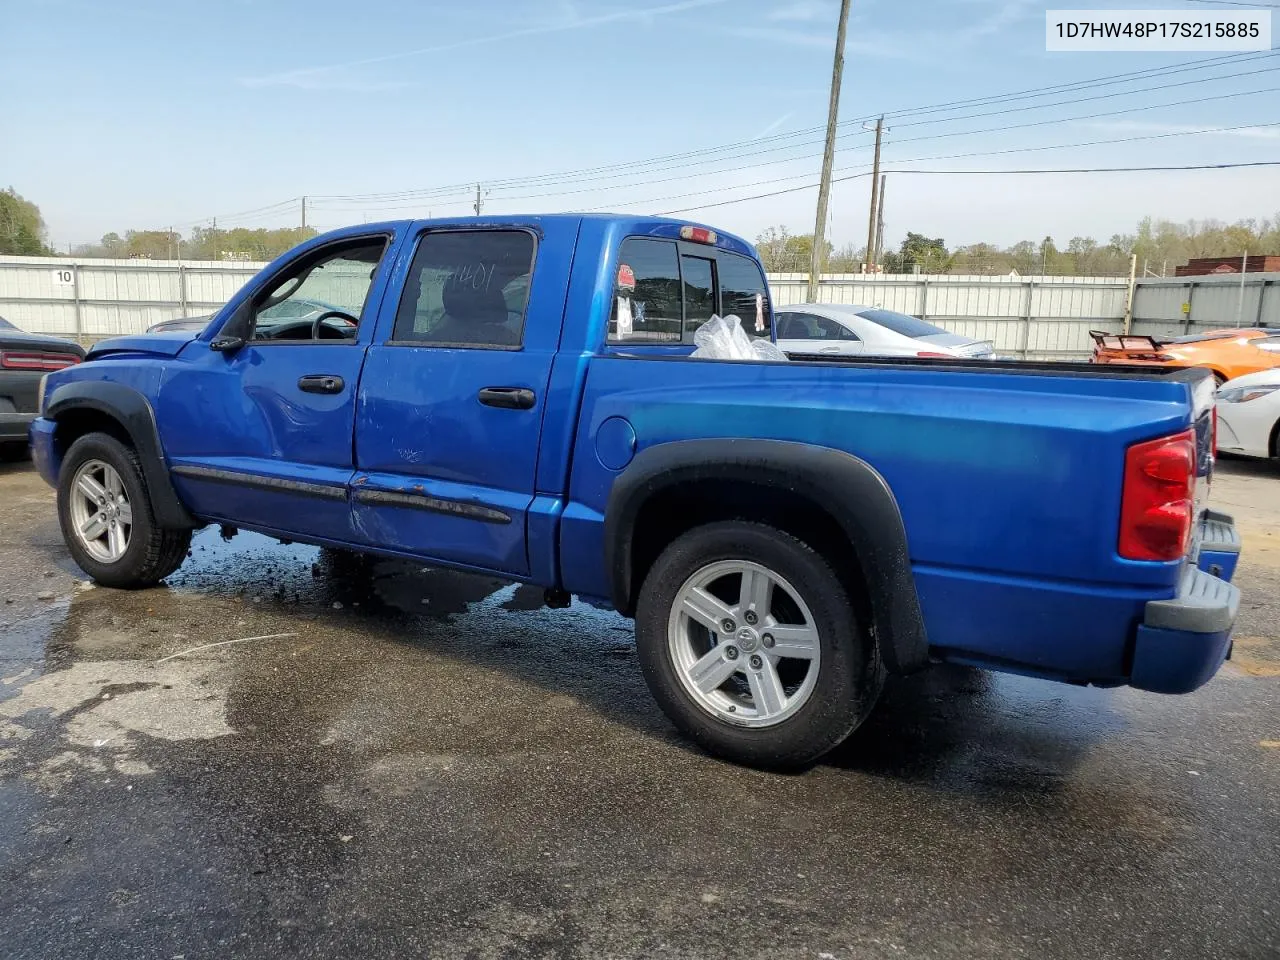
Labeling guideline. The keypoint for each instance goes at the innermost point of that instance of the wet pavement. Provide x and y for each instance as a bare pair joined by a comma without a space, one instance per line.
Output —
406,762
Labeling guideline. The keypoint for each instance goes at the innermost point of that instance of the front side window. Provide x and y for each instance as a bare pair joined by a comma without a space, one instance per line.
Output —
467,288
322,298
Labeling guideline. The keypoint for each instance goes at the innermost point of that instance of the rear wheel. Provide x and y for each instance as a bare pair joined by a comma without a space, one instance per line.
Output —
749,642
106,516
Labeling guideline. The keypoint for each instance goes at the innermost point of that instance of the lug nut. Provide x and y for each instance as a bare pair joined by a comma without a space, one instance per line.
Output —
756,662
767,640
751,617
727,625
731,652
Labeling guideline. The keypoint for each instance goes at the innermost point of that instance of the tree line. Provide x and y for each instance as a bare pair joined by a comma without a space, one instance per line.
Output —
1159,245
204,243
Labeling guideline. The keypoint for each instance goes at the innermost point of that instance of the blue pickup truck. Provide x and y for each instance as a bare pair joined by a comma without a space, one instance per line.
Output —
518,396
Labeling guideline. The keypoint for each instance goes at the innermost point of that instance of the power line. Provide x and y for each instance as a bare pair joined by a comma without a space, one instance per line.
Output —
410,203
1239,3
858,176
624,168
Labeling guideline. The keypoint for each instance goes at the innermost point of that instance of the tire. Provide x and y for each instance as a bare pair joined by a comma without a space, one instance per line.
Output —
149,552
728,721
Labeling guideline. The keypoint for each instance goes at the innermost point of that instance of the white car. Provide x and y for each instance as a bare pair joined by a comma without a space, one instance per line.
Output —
1249,414
850,330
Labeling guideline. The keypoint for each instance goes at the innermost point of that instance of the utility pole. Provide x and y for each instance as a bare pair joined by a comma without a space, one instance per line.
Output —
879,247
1128,300
875,186
215,238
304,214
1244,267
828,156
479,204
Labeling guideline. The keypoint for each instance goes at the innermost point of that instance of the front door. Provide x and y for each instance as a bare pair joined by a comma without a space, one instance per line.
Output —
262,435
452,400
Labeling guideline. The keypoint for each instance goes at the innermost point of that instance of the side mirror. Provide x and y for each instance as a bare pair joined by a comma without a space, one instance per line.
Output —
226,344
235,332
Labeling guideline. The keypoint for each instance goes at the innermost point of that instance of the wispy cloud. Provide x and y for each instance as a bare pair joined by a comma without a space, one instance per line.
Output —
775,125
804,10
569,20
1003,15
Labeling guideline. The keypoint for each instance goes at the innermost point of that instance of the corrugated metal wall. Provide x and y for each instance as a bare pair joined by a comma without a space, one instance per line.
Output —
1036,317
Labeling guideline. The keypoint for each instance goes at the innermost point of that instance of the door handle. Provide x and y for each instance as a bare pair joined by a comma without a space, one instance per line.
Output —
321,383
510,398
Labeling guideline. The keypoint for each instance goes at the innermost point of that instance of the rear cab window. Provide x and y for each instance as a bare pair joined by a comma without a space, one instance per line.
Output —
665,289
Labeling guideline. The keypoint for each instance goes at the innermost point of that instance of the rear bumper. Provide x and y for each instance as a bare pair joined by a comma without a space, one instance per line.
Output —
1183,641
13,426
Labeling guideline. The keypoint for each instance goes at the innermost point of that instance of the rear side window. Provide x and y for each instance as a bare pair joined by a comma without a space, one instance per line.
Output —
665,291
467,288
743,292
901,323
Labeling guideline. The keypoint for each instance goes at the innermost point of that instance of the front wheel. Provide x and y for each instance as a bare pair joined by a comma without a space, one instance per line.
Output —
106,516
749,643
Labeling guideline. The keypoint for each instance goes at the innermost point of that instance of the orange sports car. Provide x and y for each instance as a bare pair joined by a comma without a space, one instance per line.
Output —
1228,353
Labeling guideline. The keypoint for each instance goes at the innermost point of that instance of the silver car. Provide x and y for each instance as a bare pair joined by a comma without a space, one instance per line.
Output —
850,330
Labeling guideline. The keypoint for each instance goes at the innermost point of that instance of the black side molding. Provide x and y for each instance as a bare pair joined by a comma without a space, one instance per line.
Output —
133,412
422,501
847,488
306,488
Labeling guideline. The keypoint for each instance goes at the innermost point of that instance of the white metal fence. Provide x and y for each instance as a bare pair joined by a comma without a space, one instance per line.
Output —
1034,317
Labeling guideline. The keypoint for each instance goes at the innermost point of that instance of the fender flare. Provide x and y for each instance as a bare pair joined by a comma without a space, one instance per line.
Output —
133,412
849,489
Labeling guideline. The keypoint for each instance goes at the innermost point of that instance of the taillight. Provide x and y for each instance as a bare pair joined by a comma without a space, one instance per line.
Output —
30,360
936,356
1156,504
1214,434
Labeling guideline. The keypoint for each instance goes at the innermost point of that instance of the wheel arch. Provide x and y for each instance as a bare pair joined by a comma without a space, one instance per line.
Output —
838,504
89,406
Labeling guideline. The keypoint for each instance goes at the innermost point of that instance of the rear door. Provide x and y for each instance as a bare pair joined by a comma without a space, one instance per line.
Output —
453,394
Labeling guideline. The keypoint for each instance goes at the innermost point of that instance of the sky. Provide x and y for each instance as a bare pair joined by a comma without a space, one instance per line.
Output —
146,114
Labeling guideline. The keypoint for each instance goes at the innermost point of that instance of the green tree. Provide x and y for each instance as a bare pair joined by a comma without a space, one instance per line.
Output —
928,254
22,229
783,252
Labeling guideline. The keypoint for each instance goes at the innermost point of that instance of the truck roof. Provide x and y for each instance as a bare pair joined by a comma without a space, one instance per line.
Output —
637,223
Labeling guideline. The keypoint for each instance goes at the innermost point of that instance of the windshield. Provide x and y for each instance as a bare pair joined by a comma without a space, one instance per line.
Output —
902,323
6,325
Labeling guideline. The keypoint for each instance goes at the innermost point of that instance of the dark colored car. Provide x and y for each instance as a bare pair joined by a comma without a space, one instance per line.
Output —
190,324
24,359
295,313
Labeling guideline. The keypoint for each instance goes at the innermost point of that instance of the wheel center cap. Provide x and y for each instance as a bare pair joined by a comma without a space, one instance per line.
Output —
747,639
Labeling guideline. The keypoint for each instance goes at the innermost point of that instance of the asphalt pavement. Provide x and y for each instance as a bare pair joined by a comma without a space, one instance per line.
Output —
285,754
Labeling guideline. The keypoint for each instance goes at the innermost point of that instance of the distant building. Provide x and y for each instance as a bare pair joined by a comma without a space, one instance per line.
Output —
1201,266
